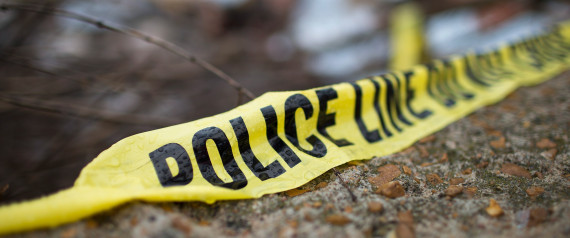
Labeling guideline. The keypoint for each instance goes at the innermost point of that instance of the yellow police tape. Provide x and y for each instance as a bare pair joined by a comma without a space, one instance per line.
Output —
282,140
407,41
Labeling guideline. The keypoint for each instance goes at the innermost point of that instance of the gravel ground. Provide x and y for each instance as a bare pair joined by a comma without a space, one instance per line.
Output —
515,153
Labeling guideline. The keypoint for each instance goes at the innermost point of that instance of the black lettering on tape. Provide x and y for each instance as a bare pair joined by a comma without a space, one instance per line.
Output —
179,154
393,102
471,73
557,38
370,136
536,61
400,97
452,77
552,49
435,83
515,53
293,103
275,141
547,50
498,65
274,169
378,109
410,95
485,62
225,150
328,119
535,47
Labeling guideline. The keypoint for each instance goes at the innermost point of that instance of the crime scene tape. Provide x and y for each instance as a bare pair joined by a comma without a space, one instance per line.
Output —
407,40
282,140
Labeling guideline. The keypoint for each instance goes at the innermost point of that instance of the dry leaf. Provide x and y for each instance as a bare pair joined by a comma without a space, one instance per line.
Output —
405,227
467,171
426,139
483,164
498,144
337,219
549,154
386,174
494,209
321,185
91,224
71,232
375,207
513,169
534,191
545,143
295,192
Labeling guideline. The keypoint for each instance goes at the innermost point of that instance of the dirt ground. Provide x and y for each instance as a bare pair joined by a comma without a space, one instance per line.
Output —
515,152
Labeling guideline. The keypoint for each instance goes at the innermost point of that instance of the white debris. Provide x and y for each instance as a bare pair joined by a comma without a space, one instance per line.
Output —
319,24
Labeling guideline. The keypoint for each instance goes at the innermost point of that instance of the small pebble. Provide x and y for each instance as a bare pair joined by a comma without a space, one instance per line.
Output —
391,190
453,190
407,170
471,191
434,179
456,181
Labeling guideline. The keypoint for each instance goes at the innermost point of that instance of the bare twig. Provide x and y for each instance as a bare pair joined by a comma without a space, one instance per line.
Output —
83,112
172,48
344,184
23,64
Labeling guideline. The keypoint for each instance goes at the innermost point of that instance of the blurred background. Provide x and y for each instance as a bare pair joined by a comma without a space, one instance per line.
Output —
69,90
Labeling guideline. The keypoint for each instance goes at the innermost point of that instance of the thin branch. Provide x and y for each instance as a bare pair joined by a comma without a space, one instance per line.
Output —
23,64
172,48
84,112
344,184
